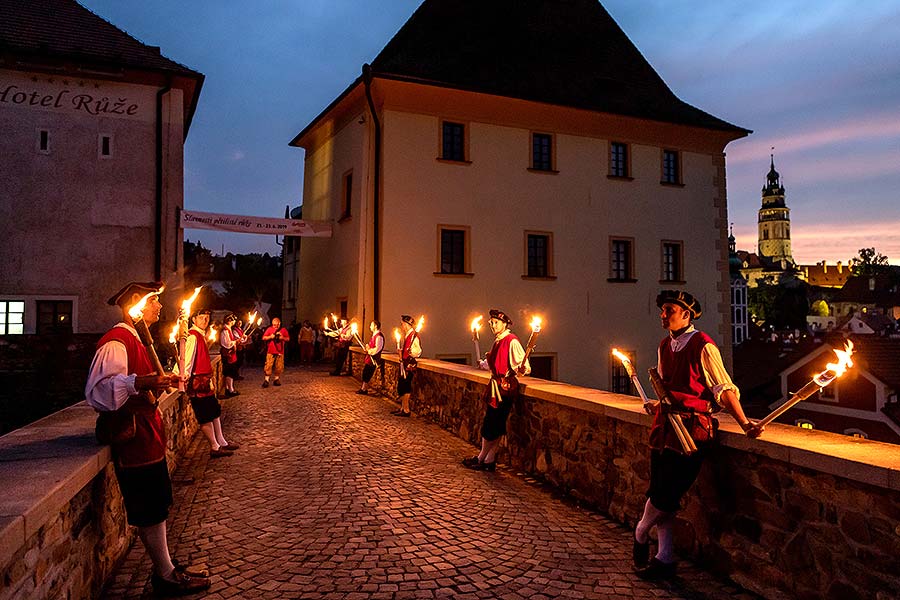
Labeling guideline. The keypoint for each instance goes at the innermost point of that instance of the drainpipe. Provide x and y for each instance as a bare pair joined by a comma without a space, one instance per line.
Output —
376,237
157,246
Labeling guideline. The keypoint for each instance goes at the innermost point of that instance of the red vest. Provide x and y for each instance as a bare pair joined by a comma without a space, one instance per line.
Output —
372,344
407,344
683,374
498,357
202,363
148,446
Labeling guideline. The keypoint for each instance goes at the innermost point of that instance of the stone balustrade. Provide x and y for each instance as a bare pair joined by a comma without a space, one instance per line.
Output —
62,519
797,513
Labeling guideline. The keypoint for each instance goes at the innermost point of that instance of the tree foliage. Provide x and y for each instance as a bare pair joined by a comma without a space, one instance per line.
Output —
868,262
783,306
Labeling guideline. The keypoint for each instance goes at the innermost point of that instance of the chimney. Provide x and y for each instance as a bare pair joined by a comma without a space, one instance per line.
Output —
824,267
840,268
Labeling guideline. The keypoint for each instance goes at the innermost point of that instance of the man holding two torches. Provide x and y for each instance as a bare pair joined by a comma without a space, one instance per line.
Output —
120,388
409,348
343,338
506,359
373,355
692,380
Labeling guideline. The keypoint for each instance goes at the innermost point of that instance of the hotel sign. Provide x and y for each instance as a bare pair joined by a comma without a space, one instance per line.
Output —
91,104
192,219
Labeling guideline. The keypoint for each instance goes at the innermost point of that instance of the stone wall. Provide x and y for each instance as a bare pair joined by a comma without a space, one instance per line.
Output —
797,513
62,519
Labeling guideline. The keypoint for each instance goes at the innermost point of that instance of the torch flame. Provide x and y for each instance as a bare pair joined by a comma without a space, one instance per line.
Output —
251,317
173,333
420,324
334,320
212,333
259,322
620,356
536,324
186,305
397,335
137,311
476,323
844,360
325,323
353,328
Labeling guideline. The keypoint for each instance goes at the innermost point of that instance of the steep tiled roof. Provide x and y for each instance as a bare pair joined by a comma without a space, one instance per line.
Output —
826,275
881,290
65,29
564,52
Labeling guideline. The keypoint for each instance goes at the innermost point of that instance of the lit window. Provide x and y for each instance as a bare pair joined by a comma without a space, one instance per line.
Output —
12,317
803,424
54,316
453,141
857,433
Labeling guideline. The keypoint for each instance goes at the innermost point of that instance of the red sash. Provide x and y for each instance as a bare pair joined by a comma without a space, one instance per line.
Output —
148,445
372,344
201,372
409,362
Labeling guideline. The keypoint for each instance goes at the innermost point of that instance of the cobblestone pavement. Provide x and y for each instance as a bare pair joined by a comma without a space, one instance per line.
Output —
332,497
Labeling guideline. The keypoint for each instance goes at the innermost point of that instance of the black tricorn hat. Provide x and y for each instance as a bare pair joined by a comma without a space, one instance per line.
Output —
135,287
201,311
499,314
682,299
408,320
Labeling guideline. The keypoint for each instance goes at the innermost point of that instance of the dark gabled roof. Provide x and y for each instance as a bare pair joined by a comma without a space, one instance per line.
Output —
65,29
882,290
880,356
564,52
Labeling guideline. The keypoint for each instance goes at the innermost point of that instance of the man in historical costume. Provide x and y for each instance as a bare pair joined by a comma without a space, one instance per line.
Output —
373,356
241,347
120,388
200,387
505,361
410,350
229,340
692,372
343,339
274,337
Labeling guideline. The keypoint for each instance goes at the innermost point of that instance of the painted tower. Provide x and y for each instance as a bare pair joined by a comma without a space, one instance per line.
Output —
775,221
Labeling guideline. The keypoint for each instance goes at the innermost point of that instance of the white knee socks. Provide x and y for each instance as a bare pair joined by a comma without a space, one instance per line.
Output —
154,540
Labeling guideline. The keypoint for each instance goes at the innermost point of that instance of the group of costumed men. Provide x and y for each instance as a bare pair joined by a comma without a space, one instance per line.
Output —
122,381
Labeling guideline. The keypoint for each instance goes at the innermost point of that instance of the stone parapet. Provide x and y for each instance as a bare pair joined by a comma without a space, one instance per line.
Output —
797,513
62,519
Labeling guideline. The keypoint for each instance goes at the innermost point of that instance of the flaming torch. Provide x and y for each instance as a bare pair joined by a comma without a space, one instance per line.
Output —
399,352
355,331
183,315
334,320
253,326
212,336
173,339
136,313
325,325
420,324
632,373
476,327
532,340
832,371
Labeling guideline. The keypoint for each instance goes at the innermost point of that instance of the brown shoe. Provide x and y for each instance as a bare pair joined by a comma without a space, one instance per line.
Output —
229,447
190,570
657,570
220,453
181,584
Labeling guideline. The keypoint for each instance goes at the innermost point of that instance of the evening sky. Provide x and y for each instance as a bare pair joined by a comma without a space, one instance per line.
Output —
818,80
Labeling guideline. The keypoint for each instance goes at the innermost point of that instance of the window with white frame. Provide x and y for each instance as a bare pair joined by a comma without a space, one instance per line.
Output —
12,317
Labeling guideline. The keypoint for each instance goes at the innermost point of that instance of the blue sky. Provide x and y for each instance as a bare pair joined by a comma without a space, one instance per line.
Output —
820,81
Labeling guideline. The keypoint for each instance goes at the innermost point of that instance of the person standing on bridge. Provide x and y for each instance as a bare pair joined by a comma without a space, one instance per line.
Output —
693,375
274,336
120,387
229,340
343,339
373,356
409,348
198,374
505,360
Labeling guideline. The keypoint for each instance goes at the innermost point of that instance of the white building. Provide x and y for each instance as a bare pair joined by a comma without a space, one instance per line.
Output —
524,156
91,165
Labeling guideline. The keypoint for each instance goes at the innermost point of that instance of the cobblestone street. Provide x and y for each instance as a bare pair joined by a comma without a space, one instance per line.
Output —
330,496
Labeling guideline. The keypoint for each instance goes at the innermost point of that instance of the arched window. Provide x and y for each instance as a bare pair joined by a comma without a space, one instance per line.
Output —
804,424
857,433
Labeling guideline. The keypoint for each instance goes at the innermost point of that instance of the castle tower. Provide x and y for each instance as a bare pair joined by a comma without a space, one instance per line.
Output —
775,221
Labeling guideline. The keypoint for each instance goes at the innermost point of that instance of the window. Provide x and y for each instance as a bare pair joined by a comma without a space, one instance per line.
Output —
453,251
12,315
543,366
671,261
857,433
621,260
43,141
671,171
538,254
618,160
342,302
541,151
453,141
54,316
765,233
105,147
347,196
619,381
804,424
